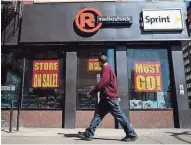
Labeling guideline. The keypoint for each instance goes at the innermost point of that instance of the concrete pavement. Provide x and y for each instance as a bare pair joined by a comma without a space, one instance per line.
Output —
103,136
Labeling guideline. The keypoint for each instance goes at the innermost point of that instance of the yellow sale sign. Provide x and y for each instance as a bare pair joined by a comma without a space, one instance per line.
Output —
93,65
45,74
147,76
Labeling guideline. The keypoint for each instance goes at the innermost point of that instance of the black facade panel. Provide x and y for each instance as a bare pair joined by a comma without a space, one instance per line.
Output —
50,23
182,107
70,95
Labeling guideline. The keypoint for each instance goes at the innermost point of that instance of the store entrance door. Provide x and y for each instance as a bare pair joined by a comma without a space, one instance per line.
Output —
88,75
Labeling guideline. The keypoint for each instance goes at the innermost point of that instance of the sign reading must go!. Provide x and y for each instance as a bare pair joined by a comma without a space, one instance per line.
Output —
45,74
148,77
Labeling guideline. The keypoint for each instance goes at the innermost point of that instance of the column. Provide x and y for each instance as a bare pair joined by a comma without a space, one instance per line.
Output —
179,91
69,112
122,77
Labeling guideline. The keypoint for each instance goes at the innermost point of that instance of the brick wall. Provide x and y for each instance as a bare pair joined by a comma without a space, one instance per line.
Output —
139,119
35,118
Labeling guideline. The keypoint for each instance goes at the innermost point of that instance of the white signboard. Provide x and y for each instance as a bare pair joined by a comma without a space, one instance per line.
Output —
8,88
162,19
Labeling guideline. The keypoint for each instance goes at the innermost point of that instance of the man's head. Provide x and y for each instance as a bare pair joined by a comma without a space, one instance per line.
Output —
103,60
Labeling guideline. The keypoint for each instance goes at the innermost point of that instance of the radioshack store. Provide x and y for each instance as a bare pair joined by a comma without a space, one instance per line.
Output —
59,47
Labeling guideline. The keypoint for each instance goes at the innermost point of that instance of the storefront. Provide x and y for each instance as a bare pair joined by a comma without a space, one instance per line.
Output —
60,44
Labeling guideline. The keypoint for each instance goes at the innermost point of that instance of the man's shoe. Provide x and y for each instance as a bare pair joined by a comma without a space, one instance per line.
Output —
81,134
85,136
129,138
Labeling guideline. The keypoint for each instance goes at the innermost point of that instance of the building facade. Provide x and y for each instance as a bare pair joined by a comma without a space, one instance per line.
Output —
54,62
187,55
187,63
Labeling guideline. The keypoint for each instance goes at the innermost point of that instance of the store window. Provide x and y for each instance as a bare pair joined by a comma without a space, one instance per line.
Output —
149,82
88,75
11,76
44,80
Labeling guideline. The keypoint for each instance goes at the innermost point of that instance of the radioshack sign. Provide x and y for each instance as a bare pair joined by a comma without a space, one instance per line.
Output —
164,19
90,20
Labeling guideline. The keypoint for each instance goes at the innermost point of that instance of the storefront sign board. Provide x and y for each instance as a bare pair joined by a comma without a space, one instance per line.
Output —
162,19
45,74
147,77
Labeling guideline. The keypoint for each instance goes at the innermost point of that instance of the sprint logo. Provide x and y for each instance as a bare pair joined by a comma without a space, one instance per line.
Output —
177,20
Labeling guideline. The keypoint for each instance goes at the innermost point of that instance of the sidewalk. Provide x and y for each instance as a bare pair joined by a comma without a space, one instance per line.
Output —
103,136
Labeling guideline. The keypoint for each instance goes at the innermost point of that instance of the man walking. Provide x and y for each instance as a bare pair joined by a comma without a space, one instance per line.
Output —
109,103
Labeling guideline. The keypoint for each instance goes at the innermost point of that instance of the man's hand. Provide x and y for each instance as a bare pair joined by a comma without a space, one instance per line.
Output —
89,95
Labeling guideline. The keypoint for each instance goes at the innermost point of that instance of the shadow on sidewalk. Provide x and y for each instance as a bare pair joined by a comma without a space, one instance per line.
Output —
72,135
177,136
3,130
101,139
7,131
79,138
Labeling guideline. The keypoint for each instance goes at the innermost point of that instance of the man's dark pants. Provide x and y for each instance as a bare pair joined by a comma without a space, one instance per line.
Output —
104,107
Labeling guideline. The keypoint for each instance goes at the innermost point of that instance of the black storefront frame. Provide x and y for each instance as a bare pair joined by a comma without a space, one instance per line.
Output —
27,35
172,47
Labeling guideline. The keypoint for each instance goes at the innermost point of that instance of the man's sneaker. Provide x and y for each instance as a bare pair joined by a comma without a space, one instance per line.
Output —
85,136
129,138
81,134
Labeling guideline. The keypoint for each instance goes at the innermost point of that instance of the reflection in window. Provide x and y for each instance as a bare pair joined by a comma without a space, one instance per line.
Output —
10,91
11,76
149,83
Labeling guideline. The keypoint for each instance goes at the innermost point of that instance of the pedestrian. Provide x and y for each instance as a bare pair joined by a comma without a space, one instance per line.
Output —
109,103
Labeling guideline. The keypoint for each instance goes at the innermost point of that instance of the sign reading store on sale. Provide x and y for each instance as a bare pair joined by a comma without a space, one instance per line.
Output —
45,74
165,19
147,76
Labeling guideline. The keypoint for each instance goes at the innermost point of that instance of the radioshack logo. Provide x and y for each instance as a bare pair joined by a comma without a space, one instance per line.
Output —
90,20
86,20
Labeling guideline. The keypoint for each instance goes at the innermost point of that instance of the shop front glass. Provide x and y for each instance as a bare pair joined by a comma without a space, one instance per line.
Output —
44,80
88,74
11,77
149,82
